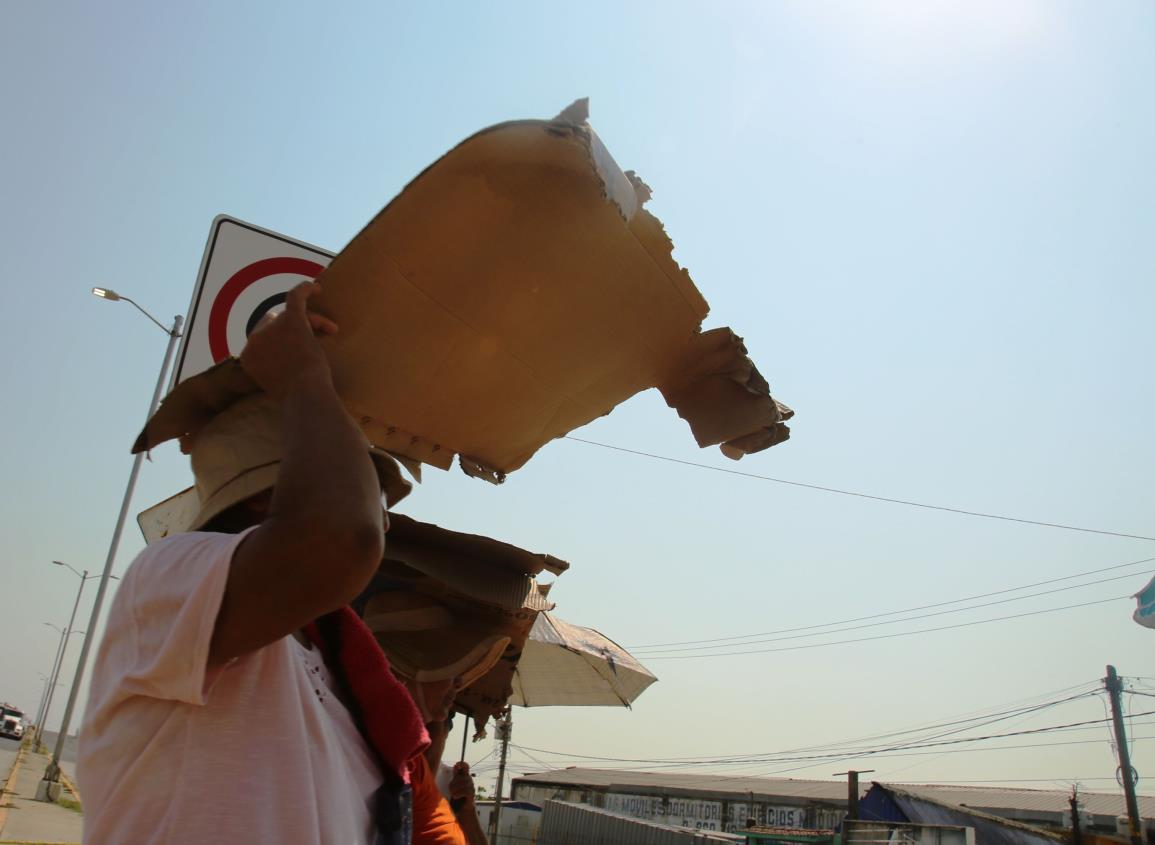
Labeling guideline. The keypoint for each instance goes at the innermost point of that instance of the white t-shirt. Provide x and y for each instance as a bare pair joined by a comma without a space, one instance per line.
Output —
444,778
257,751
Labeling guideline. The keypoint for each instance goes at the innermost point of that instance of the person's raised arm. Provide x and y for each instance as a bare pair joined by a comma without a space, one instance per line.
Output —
323,536
461,791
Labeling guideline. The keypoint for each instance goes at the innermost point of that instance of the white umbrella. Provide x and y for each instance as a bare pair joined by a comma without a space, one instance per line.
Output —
566,664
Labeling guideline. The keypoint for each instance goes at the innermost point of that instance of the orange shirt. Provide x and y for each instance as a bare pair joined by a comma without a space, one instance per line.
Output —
433,819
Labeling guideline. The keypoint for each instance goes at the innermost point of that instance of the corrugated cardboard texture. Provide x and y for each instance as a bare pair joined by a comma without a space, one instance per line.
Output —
505,299
514,291
487,584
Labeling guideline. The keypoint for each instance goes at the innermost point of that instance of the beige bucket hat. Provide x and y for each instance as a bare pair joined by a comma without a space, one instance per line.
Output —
236,455
426,641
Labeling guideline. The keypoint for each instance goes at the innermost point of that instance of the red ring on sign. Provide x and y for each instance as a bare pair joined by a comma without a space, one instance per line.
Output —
236,285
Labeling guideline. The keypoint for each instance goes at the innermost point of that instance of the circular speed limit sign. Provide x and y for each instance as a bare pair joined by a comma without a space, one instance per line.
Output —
250,284
245,273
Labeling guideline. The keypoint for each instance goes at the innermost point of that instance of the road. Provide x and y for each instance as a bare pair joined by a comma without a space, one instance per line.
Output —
8,749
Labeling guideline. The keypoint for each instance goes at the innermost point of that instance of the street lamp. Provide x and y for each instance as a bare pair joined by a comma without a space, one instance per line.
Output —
48,686
64,637
43,698
113,296
49,787
46,699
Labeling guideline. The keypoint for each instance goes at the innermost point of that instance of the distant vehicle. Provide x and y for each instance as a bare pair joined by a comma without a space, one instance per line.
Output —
11,721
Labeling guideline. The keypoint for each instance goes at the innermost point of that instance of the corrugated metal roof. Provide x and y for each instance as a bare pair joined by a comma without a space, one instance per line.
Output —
829,791
989,829
987,798
1029,800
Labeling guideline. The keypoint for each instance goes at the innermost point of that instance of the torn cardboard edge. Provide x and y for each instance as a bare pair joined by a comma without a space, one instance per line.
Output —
719,391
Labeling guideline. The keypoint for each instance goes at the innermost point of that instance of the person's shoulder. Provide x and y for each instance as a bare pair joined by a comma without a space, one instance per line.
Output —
185,544
193,550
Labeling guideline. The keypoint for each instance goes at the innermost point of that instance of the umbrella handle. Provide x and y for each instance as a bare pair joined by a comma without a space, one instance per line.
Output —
457,803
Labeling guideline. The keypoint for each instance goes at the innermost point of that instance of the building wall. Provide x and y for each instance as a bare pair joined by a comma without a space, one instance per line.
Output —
518,824
540,793
568,824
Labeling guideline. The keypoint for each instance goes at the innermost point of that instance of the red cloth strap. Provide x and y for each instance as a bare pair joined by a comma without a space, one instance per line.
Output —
381,706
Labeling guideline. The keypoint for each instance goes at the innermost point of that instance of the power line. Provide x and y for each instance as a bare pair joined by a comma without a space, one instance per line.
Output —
886,752
661,650
839,753
906,610
1012,780
1022,705
983,721
1026,716
835,751
886,636
879,756
843,751
527,754
933,754
973,720
825,489
936,732
976,719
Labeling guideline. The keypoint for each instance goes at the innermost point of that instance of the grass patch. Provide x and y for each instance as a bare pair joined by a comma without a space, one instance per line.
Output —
70,804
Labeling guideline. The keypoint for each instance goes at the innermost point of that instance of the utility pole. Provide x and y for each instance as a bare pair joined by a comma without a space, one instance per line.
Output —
852,791
503,728
1114,688
1076,827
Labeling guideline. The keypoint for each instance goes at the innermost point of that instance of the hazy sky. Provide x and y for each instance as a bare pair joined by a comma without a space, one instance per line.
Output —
931,221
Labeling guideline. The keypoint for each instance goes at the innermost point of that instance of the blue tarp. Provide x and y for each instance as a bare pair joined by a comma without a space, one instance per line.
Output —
888,804
877,805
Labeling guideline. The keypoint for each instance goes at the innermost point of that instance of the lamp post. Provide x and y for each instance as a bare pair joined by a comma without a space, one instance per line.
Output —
54,675
43,698
65,635
50,683
49,788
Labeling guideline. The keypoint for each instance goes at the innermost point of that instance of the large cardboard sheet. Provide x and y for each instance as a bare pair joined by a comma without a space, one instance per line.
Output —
514,291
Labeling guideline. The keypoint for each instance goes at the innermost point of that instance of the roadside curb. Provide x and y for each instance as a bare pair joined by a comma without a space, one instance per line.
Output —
71,787
9,783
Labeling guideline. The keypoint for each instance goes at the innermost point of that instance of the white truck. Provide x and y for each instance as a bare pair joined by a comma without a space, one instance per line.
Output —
11,721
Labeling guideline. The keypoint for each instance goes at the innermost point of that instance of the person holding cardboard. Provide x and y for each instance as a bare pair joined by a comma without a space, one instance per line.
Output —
235,697
436,653
455,783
